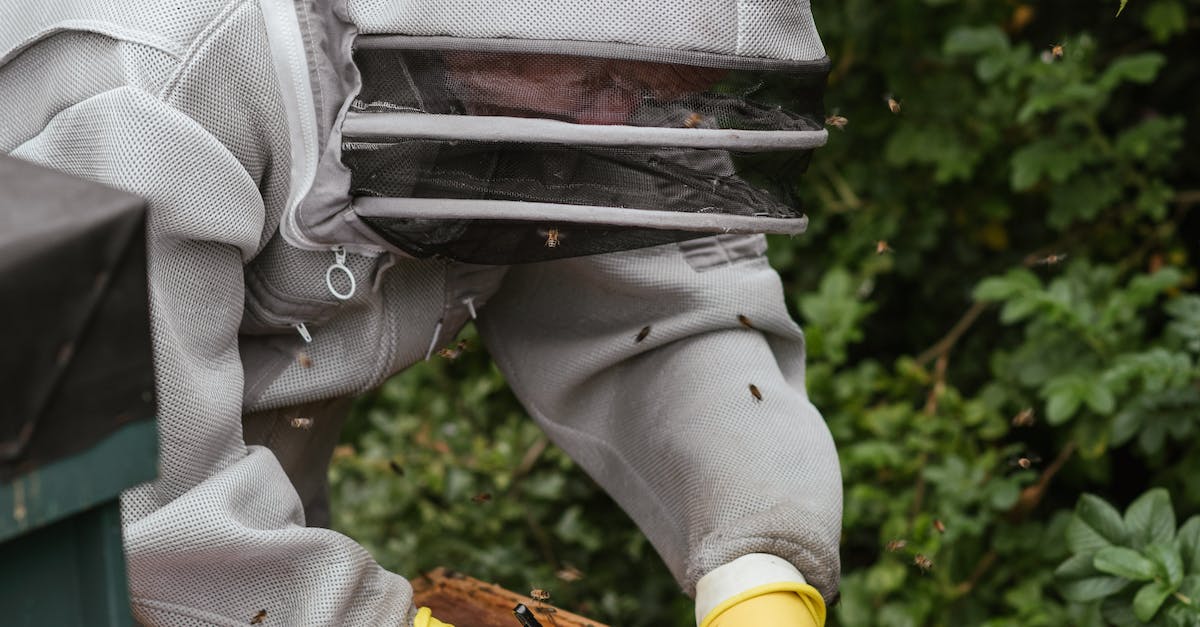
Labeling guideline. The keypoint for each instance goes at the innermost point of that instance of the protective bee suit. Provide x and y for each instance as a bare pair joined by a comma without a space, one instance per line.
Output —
346,180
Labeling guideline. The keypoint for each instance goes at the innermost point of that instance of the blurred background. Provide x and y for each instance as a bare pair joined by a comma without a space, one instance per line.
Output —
999,292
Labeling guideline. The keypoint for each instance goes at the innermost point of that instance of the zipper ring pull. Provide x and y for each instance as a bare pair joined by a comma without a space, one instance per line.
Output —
339,264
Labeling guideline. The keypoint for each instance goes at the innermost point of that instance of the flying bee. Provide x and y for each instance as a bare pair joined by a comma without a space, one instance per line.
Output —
1023,419
482,497
304,360
537,594
742,318
922,562
259,617
449,353
395,467
893,104
939,525
301,423
896,545
836,121
882,246
569,574
755,393
693,120
1026,461
642,334
1056,50
1050,260
553,237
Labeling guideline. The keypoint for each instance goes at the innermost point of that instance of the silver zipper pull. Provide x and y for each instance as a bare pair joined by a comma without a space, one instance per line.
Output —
303,331
339,264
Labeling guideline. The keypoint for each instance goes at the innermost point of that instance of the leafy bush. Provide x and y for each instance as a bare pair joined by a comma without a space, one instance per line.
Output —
999,293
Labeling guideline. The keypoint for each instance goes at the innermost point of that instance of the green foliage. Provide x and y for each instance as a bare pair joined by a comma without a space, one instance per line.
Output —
1050,198
1137,569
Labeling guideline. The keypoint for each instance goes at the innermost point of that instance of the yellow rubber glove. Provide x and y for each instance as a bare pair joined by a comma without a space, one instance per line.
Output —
773,605
425,619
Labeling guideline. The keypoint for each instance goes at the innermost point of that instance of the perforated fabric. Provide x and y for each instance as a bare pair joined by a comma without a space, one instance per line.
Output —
220,535
768,28
180,105
668,425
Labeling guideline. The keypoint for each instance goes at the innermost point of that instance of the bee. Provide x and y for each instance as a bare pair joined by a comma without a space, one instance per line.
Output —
449,353
642,334
301,423
1050,260
1023,419
537,594
1056,50
893,105
304,360
881,247
836,121
922,562
896,545
482,497
395,467
745,321
259,617
939,525
552,238
569,574
755,393
693,120
1026,461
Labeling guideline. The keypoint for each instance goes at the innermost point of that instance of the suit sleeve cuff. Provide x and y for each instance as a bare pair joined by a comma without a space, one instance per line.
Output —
745,573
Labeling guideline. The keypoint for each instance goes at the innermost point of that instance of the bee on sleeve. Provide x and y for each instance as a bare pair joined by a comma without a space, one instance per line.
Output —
259,617
299,422
754,391
642,334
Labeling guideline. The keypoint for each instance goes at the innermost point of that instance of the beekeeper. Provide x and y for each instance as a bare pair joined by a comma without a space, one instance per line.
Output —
336,187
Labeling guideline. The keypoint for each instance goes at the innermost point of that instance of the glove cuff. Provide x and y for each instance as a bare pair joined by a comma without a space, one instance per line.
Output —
808,596
742,574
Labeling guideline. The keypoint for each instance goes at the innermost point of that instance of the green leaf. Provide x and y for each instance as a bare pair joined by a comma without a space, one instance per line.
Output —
1135,68
1165,19
1122,7
1149,598
1064,395
1150,518
1126,424
1189,544
1100,398
1095,525
1123,562
1169,563
1080,582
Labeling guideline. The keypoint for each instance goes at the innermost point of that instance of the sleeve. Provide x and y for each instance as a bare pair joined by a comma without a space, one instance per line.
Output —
220,535
675,378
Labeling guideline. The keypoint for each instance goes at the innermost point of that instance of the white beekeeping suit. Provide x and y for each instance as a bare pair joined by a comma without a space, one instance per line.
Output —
299,201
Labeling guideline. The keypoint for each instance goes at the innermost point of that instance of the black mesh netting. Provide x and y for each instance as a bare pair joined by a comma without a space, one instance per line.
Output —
679,179
581,90
507,242
588,90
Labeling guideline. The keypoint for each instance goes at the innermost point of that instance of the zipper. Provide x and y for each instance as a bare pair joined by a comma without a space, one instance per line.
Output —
296,90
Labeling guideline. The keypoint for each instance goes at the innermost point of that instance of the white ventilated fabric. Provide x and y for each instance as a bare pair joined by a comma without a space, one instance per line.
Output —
668,425
777,29
180,105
